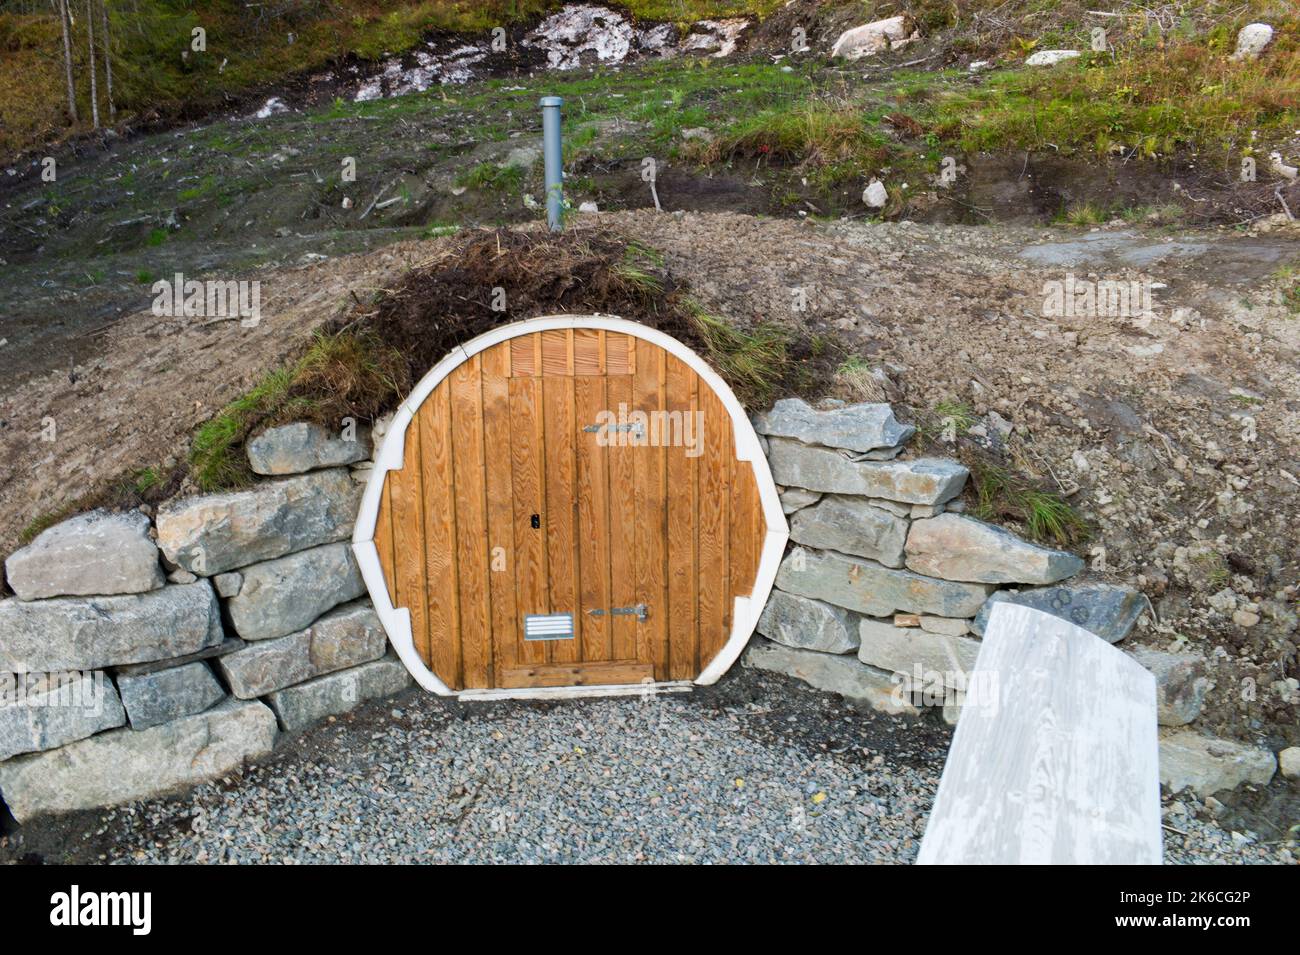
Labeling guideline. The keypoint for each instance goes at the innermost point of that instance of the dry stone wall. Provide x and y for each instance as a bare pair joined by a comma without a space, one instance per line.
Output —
139,656
885,590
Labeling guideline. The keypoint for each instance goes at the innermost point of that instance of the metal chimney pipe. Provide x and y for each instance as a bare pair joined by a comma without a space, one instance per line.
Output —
554,158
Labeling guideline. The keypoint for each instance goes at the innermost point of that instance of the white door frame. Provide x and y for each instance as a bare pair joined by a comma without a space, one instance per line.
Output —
397,620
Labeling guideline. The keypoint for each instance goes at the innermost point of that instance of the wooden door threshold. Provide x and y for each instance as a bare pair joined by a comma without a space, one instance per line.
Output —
574,674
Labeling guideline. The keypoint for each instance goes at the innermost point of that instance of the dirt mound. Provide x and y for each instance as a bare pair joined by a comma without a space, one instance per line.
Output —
494,278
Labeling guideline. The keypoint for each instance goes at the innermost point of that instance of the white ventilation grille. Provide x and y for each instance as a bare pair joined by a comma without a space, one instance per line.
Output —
548,626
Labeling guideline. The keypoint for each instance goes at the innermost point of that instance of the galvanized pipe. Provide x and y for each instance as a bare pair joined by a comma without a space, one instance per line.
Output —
554,159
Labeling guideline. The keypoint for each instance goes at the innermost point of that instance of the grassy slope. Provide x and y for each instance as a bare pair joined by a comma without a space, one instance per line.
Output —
220,177
149,36
1162,89
1166,85
806,124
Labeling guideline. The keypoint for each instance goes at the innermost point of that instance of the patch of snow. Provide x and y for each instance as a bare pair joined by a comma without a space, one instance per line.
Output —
658,39
579,34
396,79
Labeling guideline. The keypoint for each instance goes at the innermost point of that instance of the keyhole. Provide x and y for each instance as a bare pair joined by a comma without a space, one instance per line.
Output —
536,521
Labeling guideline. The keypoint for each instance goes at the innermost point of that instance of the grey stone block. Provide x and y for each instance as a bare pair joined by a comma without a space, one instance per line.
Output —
123,765
920,481
228,584
1181,684
844,675
858,427
218,532
1206,765
808,624
795,498
346,637
871,589
920,655
304,446
947,626
92,554
289,593
90,633
1108,610
298,707
956,547
851,526
40,711
166,695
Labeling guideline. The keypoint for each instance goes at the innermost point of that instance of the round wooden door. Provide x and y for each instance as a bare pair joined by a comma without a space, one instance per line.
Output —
569,502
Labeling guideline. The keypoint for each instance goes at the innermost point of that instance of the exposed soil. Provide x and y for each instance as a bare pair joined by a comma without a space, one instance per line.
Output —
1188,499
145,383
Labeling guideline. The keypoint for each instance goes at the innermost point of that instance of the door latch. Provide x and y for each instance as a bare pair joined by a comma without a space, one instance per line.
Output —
640,611
636,429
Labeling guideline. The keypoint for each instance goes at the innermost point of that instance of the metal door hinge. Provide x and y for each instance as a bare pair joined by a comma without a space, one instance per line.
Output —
640,611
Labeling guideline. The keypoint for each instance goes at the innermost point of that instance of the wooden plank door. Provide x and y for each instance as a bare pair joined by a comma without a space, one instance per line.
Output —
570,472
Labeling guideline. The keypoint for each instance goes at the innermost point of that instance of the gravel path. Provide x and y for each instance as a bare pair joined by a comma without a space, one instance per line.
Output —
757,770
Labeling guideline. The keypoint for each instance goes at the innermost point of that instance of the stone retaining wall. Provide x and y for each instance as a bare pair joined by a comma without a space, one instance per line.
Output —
886,587
142,655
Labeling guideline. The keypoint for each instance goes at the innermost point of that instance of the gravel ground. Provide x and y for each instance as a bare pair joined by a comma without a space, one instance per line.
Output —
759,769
